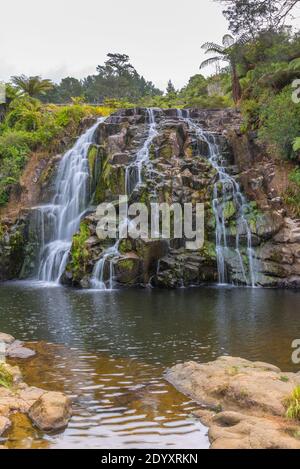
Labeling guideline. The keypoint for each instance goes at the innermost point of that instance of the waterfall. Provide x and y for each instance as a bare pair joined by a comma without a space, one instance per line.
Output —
133,178
62,217
227,189
133,174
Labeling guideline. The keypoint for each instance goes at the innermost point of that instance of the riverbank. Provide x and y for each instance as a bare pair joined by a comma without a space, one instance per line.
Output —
246,405
48,411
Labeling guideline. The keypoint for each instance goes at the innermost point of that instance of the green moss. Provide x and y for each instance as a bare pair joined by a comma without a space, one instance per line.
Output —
111,183
284,379
79,252
208,251
127,264
229,210
166,151
92,158
125,246
152,153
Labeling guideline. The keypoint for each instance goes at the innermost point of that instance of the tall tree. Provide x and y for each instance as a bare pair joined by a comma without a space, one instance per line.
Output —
33,86
117,64
170,88
228,52
253,16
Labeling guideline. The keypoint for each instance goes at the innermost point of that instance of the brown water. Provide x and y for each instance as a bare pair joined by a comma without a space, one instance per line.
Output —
109,351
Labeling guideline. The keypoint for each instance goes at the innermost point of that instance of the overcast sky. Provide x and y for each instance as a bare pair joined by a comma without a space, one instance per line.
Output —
71,37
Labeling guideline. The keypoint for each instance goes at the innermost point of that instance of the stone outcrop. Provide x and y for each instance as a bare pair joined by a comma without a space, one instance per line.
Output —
243,403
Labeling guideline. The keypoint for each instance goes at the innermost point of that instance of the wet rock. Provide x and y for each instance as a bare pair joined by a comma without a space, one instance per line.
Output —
17,350
128,269
269,224
6,338
4,424
51,412
119,158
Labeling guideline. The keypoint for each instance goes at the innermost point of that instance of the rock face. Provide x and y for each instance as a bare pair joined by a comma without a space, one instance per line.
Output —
177,171
244,403
51,412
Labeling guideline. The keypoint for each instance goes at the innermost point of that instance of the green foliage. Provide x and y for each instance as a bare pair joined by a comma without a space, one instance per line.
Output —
31,126
115,79
251,111
281,123
294,64
70,114
32,86
293,405
284,379
296,144
292,194
25,114
79,251
295,177
6,379
253,16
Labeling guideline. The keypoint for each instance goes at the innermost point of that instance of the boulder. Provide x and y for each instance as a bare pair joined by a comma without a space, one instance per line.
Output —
128,269
17,350
6,338
51,412
243,403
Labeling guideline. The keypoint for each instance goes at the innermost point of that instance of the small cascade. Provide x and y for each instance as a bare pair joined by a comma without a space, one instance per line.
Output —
133,175
61,219
133,178
227,189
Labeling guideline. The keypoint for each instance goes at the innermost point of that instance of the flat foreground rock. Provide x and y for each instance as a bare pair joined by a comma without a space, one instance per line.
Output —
243,403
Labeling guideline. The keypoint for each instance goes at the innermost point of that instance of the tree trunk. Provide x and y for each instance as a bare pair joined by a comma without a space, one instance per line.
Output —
236,87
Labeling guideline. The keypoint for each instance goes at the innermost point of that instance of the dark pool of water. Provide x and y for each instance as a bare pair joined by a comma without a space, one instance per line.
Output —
112,349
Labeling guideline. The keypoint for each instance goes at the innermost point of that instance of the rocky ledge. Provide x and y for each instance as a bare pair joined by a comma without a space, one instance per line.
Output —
48,411
246,405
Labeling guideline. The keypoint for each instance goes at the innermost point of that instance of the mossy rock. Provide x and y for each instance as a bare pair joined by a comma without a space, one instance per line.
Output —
125,246
111,183
229,210
128,269
208,251
78,264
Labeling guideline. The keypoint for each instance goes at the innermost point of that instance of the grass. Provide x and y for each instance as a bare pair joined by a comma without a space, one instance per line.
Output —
284,379
293,405
6,379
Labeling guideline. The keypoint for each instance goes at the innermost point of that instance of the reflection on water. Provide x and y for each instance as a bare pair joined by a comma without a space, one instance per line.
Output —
115,347
117,403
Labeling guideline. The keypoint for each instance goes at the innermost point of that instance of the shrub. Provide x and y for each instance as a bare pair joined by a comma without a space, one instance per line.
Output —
293,405
292,195
281,123
6,379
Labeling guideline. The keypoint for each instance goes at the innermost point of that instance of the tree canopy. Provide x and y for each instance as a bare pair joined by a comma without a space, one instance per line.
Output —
252,16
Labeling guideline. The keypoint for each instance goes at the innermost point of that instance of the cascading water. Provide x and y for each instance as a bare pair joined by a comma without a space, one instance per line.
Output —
133,177
227,189
62,217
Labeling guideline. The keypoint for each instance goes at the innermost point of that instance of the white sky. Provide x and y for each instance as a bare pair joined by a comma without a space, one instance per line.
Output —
58,38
